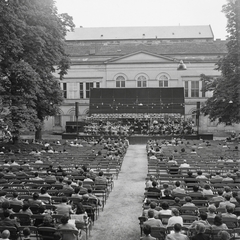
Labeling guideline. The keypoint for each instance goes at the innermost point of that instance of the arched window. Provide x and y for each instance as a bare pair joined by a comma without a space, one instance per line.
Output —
141,81
120,81
163,81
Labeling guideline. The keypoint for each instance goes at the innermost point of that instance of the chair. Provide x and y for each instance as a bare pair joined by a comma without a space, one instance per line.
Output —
15,207
13,231
33,232
189,210
214,233
158,233
67,233
152,195
141,221
86,226
46,233
230,222
164,218
179,195
34,208
23,218
200,203
188,219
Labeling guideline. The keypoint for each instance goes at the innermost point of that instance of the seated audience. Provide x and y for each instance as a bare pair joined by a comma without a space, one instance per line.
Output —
175,218
218,224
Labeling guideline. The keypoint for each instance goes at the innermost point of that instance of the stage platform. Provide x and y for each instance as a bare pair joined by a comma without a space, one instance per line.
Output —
140,139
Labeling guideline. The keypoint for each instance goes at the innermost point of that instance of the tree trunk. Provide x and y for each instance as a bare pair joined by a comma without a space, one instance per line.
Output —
15,137
38,133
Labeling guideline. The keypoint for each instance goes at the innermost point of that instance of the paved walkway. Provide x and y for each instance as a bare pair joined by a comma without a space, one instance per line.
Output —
119,220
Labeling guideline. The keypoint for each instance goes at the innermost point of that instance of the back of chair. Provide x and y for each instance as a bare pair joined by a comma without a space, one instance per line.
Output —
158,233
13,231
69,234
46,233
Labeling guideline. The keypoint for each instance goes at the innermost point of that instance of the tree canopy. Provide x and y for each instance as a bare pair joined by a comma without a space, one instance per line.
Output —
32,47
224,105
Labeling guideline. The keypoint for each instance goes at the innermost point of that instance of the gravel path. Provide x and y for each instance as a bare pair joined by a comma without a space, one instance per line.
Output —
119,220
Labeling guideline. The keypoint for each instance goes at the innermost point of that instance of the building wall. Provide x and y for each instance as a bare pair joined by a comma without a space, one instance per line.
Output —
131,68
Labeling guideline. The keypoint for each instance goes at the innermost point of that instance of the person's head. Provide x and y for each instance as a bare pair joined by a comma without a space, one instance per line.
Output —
165,205
230,209
227,189
177,184
203,216
100,173
177,227
43,190
5,205
36,174
153,205
175,212
220,192
64,219
200,228
199,172
154,184
76,190
147,230
80,208
195,188
183,150
224,235
227,197
212,209
5,234
47,219
218,220
190,174
234,194
150,213
188,199
35,196
25,207
177,200
15,194
26,232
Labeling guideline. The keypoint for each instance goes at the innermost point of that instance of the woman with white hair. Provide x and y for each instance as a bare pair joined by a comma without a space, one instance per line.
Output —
200,232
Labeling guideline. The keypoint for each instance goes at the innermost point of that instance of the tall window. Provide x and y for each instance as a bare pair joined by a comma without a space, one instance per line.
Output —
120,82
65,90
163,81
195,89
89,86
81,90
141,81
186,89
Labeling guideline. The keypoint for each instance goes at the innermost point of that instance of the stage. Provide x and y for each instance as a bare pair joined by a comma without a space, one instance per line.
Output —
140,139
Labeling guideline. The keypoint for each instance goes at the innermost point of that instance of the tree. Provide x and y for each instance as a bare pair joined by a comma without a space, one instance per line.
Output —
224,105
32,47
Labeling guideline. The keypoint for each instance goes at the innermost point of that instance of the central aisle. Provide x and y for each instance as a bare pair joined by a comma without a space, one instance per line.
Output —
119,220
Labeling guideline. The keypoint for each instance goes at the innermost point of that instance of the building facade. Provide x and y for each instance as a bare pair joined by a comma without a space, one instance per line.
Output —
138,57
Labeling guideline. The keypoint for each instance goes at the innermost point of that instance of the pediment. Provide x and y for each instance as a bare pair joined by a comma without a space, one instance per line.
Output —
141,57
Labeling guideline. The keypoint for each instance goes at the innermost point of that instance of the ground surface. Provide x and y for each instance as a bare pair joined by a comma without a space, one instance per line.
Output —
119,220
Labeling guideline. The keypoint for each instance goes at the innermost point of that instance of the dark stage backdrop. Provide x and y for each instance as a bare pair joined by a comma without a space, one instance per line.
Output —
137,100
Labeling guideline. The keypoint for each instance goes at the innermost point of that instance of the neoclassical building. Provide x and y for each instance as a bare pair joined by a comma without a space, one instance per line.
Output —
138,57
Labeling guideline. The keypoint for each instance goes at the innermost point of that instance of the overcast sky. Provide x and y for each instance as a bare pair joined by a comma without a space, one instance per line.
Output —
122,13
